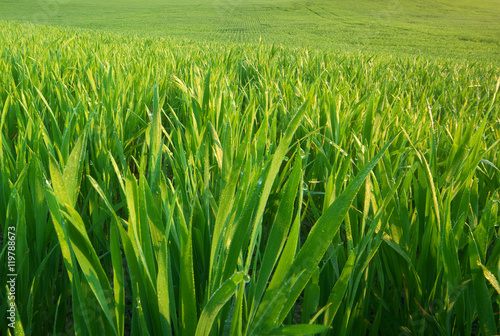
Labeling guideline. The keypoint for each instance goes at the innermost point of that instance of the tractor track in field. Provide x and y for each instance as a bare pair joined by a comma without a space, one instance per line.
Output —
243,24
321,12
314,12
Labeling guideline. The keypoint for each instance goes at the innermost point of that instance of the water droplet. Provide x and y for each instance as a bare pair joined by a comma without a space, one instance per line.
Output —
259,182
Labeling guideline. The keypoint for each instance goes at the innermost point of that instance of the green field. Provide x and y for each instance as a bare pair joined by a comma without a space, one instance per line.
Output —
463,29
300,168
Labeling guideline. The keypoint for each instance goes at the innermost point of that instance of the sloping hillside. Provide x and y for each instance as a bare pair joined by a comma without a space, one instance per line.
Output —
462,29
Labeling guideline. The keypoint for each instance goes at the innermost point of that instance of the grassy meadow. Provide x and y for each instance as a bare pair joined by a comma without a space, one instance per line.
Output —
162,184
459,29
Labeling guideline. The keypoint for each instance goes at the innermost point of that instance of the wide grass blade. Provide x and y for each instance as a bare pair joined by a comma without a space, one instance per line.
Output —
299,329
216,302
315,246
90,265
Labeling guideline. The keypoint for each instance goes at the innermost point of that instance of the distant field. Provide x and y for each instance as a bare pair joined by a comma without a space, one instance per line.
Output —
461,29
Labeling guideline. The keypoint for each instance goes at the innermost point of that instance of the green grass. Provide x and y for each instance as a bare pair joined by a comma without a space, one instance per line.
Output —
463,29
160,186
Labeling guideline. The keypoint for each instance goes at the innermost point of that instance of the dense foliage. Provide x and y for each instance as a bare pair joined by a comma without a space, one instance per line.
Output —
164,187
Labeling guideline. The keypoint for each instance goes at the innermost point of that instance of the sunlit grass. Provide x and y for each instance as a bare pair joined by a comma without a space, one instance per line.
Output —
169,188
